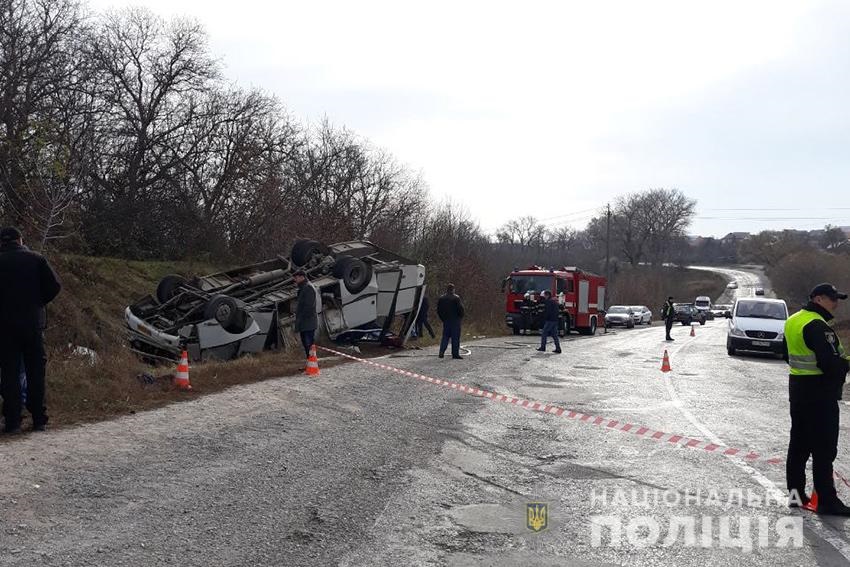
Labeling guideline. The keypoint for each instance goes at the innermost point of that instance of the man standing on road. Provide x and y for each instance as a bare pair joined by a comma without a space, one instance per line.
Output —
818,368
306,320
422,319
551,314
27,285
668,313
450,310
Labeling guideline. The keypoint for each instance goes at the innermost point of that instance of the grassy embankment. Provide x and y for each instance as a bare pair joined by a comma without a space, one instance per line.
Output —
89,313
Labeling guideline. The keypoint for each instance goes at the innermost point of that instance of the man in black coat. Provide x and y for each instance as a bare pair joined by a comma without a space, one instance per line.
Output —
306,319
551,316
27,285
450,309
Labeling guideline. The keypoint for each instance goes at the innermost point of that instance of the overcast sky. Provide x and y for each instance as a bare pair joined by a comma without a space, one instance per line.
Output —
554,108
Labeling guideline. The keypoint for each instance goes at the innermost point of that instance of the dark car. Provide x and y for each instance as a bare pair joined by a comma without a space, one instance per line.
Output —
687,314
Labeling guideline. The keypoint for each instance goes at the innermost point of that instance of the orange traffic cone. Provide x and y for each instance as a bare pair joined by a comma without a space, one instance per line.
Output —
665,364
812,504
312,363
181,377
693,334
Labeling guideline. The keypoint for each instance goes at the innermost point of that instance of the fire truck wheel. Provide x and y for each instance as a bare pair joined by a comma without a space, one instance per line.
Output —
589,330
304,250
168,287
354,273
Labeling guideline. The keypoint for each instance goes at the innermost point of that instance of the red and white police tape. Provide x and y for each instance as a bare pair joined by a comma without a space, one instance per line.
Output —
604,422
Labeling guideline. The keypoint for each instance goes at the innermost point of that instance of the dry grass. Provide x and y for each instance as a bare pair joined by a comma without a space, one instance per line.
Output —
90,310
79,391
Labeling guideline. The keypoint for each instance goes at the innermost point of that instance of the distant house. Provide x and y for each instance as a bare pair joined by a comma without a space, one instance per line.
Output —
734,237
846,230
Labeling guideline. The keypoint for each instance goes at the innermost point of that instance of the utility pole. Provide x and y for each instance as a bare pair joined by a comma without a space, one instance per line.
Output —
608,245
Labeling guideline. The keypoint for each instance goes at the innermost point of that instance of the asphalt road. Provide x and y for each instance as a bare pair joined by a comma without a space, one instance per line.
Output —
364,466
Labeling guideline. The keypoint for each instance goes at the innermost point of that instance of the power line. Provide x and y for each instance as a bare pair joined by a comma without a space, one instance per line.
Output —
785,209
575,213
775,218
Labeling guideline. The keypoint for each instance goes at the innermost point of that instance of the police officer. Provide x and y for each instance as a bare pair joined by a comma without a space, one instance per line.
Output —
27,285
668,313
818,368
551,314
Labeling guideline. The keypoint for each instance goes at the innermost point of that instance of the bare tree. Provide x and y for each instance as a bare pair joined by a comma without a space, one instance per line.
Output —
833,237
667,213
50,194
39,67
148,79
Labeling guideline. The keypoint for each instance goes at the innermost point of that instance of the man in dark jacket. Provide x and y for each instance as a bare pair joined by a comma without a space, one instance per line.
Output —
450,309
422,319
551,315
668,313
27,285
819,366
306,319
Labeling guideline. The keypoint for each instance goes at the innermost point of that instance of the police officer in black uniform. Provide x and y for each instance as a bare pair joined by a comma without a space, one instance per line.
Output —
819,366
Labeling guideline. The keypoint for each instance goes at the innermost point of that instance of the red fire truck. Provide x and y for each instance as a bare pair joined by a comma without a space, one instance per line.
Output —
580,294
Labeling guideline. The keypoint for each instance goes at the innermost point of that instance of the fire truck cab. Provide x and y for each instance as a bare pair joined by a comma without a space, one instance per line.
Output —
580,294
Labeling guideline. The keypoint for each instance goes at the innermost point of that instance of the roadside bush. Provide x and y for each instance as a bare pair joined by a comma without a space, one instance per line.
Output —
796,274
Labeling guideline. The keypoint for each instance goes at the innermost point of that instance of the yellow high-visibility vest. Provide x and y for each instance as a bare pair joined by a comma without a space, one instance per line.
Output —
801,358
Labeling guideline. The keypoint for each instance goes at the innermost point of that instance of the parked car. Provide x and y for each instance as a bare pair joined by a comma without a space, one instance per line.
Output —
687,314
759,291
732,285
620,315
642,315
703,303
722,310
757,324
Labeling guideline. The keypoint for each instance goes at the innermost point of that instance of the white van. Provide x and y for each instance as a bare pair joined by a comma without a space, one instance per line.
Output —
703,303
757,324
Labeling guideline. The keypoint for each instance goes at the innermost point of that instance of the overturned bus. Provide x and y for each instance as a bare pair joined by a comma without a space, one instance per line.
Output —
365,293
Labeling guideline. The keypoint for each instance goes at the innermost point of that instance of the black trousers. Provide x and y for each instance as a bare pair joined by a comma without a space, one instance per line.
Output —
451,332
668,326
29,347
307,339
814,432
421,326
